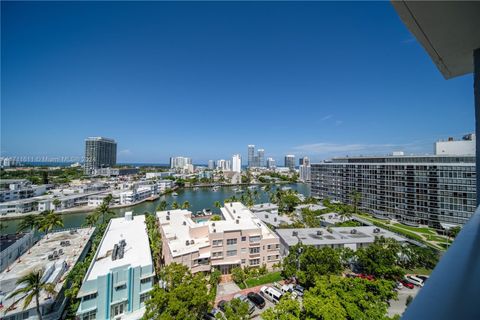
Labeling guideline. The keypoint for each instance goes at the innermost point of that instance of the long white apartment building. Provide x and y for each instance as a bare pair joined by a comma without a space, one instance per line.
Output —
241,239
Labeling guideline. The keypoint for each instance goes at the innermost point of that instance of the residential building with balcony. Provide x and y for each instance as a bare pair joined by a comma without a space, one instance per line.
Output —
121,274
436,190
241,239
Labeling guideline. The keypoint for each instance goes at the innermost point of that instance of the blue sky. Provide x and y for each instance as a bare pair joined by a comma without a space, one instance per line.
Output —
206,79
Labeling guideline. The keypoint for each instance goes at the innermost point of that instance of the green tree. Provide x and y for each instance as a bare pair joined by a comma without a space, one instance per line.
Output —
162,206
29,222
335,297
217,204
186,296
186,205
237,310
104,212
355,198
215,217
56,203
286,309
49,221
238,275
91,220
31,287
454,231
175,205
381,258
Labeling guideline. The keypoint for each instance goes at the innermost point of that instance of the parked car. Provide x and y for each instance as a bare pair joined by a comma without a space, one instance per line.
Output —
242,297
256,299
215,314
424,278
416,281
270,293
366,276
299,289
399,286
407,284
221,305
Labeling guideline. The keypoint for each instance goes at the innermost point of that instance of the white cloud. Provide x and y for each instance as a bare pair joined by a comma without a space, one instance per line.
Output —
330,116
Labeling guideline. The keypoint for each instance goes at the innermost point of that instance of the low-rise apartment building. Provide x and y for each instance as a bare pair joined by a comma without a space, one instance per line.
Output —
121,274
241,239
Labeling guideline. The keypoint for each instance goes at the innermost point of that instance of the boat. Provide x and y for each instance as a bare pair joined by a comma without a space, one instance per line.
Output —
207,212
252,187
196,188
215,188
174,194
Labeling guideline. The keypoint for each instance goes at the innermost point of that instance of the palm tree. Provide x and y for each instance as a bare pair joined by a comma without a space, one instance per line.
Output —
91,219
355,196
49,221
217,204
104,211
162,206
186,205
32,287
175,205
108,199
29,222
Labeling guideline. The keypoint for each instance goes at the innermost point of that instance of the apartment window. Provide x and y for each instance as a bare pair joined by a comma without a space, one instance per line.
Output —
254,262
118,309
255,250
217,243
244,238
231,253
244,250
146,280
25,315
144,297
255,239
243,261
121,287
90,315
217,254
231,242
89,297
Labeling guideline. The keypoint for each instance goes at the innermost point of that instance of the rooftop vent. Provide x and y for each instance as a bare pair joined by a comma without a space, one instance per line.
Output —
214,230
266,216
353,231
237,221
187,242
231,204
376,230
319,232
168,217
192,241
184,223
213,224
295,233
234,211
168,213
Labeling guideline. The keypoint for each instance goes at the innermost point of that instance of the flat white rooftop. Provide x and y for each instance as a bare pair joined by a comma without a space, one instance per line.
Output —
36,258
137,249
338,235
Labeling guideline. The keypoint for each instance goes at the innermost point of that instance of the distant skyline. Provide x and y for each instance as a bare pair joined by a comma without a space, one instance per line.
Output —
205,79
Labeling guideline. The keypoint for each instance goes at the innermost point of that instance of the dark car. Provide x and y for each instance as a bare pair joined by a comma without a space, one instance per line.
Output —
221,305
299,290
256,299
209,316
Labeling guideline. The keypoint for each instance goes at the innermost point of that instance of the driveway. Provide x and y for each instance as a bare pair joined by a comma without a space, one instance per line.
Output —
399,306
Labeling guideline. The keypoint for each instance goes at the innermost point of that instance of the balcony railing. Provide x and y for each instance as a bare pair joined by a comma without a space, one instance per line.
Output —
453,290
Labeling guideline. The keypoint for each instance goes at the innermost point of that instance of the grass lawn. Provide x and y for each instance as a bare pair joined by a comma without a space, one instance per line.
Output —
268,278
437,238
416,229
421,271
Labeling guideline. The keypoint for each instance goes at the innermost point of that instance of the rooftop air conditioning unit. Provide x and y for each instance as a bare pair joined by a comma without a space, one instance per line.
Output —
214,230
319,232
234,211
295,233
192,241
231,204
237,221
184,223
187,242
353,231
168,217
376,230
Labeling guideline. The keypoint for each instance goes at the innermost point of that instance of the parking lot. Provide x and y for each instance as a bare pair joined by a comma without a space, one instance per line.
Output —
399,306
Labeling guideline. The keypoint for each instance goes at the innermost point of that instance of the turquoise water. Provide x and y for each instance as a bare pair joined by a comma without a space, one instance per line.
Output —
200,199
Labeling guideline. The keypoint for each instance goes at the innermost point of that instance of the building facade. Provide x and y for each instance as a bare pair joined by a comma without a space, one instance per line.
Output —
99,153
290,161
121,274
271,163
241,239
438,191
261,158
251,155
180,162
456,147
236,163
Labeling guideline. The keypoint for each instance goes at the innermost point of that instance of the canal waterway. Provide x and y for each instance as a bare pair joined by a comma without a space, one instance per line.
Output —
200,199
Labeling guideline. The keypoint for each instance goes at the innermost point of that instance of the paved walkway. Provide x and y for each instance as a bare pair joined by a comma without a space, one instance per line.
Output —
232,289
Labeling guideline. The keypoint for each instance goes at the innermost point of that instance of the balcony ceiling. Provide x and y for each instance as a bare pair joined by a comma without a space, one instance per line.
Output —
448,30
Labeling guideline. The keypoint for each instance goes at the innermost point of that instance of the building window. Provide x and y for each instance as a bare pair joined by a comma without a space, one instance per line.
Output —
231,253
255,250
217,243
244,238
254,262
144,297
217,254
89,297
90,315
118,309
243,261
231,242
244,250
121,287
146,280
255,239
